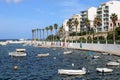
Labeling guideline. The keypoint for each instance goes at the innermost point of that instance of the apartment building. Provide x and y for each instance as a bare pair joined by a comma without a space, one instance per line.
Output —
90,14
65,26
74,17
104,11
73,28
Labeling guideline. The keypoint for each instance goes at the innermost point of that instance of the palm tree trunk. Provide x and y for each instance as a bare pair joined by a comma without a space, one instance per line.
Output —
51,35
40,34
32,36
114,34
76,34
47,33
86,34
37,35
43,35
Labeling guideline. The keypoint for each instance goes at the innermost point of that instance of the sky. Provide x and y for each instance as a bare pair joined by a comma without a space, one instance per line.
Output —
19,17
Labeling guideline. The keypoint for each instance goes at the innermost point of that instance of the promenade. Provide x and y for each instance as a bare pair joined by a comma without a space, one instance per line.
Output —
104,48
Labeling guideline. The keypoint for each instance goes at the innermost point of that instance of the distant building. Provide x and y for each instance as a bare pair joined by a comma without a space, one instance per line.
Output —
78,17
90,14
73,29
104,11
65,26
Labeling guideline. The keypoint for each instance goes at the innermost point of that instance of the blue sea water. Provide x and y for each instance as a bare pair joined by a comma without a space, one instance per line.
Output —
46,68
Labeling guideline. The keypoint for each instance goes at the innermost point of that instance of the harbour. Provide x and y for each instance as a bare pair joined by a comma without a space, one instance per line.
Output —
31,67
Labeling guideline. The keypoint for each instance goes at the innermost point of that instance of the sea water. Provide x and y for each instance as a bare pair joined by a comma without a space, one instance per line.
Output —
46,68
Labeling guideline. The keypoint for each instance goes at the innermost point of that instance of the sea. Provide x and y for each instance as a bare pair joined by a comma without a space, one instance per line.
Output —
31,67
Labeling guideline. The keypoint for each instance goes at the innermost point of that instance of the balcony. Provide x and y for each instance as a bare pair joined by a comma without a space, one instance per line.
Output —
106,11
106,15
106,23
106,8
105,19
106,28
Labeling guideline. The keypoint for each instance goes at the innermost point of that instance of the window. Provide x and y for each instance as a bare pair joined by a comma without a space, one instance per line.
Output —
111,24
118,24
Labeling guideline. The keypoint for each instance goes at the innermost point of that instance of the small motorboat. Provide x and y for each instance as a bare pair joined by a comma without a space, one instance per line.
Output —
118,60
43,55
67,52
106,70
95,57
113,63
72,72
18,52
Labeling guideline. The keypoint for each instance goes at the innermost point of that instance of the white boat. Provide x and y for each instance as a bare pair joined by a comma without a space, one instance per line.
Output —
113,63
67,52
118,60
3,43
95,57
43,55
105,53
72,72
18,52
106,70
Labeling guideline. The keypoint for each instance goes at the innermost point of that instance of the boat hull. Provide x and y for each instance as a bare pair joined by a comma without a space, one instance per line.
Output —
42,55
67,52
17,54
104,70
71,72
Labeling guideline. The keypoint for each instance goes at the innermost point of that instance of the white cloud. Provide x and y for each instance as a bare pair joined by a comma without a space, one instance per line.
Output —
13,1
17,1
8,1
68,3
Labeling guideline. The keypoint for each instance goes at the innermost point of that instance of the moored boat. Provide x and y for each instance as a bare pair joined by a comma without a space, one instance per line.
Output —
113,63
106,70
67,52
72,72
43,55
18,52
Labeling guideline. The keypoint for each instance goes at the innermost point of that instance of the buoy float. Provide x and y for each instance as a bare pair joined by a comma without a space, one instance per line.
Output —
73,64
15,67
54,57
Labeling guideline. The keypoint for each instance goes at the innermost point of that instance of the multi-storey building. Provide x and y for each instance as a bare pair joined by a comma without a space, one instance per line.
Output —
74,17
104,11
73,28
65,26
90,14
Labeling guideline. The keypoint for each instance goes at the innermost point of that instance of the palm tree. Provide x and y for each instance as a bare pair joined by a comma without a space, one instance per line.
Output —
32,34
40,33
56,27
37,34
43,33
87,24
61,32
51,28
114,18
97,23
76,24
69,24
47,28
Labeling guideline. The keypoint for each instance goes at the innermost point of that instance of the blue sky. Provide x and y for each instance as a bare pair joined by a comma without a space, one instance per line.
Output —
19,17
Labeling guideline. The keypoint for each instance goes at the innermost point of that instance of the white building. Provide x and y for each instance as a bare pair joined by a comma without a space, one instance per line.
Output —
78,17
104,11
90,14
66,27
